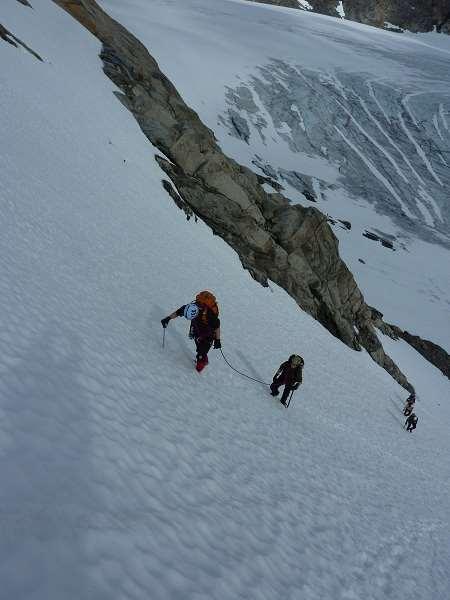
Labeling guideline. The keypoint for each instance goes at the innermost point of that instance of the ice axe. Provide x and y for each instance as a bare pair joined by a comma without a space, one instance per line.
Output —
290,398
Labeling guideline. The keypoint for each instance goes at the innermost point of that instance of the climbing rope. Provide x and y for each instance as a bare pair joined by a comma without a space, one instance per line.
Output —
240,373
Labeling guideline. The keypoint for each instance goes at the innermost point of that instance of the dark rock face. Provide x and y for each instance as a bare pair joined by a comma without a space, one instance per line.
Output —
424,15
7,36
436,355
371,12
418,16
325,7
291,245
406,14
432,352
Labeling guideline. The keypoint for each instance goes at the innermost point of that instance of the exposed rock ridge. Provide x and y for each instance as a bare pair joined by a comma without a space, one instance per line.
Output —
405,14
290,245
435,354
7,36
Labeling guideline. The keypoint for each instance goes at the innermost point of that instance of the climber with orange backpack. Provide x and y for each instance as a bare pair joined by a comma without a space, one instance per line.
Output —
203,313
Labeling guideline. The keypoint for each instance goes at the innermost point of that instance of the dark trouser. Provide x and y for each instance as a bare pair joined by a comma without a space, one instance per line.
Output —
411,426
287,389
203,346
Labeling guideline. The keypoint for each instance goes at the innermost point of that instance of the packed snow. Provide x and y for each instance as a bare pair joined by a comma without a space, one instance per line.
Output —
127,475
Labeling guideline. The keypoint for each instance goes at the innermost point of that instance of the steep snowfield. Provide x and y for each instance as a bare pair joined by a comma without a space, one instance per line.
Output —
124,474
363,112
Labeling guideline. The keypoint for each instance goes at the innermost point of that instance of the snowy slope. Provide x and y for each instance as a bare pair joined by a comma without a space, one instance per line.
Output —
124,473
363,113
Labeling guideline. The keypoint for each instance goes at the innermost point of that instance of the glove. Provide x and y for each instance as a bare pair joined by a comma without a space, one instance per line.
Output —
165,321
295,386
217,344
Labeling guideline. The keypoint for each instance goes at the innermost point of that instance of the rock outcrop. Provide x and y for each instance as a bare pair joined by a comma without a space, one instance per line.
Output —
7,36
291,245
404,14
325,7
436,355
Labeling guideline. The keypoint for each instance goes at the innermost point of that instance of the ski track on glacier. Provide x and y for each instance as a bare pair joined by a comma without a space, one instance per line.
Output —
391,141
442,115
419,150
376,173
374,142
436,126
375,98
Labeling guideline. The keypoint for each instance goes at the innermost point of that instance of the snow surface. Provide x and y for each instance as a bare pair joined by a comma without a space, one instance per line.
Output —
127,475
262,58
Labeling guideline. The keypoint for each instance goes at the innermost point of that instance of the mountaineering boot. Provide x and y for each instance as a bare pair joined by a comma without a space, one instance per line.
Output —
202,361
274,390
284,397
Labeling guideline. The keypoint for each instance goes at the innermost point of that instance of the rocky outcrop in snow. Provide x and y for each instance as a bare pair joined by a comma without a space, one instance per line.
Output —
431,351
415,16
404,14
7,36
435,354
325,7
290,245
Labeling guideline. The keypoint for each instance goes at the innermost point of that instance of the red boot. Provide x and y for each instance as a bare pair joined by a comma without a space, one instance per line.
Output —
202,361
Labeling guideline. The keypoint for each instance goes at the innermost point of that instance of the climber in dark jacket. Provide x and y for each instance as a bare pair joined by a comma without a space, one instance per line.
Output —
289,374
411,422
409,405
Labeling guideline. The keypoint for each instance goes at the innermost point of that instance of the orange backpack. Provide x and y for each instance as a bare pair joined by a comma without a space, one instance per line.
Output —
209,300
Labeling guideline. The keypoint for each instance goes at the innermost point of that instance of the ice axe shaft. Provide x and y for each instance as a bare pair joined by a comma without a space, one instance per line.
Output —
290,398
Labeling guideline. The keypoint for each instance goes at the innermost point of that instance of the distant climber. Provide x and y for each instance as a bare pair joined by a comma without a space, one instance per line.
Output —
411,422
409,405
289,374
205,324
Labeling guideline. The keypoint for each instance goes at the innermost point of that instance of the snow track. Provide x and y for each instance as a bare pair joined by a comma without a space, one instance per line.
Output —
419,150
375,172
